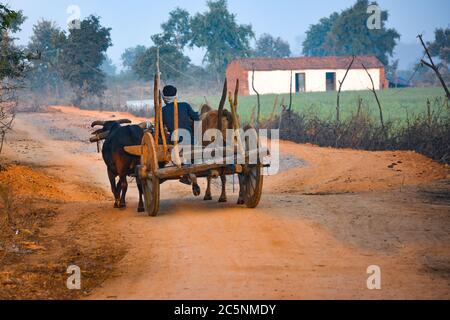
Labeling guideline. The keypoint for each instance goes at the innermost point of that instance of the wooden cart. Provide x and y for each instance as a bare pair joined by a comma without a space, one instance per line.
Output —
154,153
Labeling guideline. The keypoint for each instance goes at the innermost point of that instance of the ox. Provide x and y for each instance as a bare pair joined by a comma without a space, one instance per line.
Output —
118,162
209,118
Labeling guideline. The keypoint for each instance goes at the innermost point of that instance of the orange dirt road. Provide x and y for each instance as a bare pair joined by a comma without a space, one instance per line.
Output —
322,221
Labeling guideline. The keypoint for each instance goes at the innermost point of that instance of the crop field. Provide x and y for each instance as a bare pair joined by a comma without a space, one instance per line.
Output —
397,104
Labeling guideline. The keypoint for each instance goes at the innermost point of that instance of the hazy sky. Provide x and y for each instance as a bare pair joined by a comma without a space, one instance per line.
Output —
134,21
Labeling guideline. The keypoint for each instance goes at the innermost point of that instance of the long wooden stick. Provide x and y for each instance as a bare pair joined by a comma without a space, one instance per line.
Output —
161,127
156,107
230,101
175,130
236,122
175,120
258,99
236,94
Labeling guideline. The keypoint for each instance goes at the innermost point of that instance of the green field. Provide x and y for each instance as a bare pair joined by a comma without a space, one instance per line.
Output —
396,103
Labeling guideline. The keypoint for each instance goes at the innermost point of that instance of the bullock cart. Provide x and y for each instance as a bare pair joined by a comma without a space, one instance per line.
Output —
161,160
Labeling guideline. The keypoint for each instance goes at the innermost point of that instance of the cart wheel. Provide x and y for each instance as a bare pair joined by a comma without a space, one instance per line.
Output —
253,184
150,182
253,178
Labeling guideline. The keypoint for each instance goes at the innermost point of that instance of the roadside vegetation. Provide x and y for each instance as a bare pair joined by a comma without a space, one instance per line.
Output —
427,132
413,119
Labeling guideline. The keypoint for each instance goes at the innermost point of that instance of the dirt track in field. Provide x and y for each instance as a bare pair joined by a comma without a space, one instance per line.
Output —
322,221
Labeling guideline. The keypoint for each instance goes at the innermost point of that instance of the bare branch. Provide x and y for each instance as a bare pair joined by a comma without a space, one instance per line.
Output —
376,97
338,106
433,66
290,94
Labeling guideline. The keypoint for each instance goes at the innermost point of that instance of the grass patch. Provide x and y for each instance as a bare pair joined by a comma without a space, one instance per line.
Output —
398,104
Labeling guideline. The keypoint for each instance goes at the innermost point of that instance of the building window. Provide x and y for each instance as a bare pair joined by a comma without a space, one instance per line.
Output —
300,82
331,81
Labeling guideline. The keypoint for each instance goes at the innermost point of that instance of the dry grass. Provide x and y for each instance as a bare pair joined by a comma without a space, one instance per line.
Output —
427,133
6,220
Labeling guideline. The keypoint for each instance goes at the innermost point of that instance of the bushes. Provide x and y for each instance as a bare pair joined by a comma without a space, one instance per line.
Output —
7,109
427,133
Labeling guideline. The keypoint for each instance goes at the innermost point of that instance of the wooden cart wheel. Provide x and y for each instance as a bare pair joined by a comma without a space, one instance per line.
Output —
253,178
253,185
150,182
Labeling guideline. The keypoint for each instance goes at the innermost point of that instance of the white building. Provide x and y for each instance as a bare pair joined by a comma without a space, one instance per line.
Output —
305,74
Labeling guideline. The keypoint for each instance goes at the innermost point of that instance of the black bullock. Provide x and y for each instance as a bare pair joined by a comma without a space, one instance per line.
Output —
118,162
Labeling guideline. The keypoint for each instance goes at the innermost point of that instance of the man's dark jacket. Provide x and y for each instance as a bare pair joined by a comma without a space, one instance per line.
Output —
186,117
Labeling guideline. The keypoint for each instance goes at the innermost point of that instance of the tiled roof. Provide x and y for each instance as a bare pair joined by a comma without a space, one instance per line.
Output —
267,64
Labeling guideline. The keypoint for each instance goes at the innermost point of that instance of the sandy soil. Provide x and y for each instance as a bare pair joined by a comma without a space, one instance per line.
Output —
322,221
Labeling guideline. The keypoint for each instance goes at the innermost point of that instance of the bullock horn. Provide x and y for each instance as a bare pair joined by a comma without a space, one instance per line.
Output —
123,121
222,104
146,125
97,123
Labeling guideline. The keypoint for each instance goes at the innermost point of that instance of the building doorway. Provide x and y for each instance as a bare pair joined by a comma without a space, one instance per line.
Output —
300,82
331,81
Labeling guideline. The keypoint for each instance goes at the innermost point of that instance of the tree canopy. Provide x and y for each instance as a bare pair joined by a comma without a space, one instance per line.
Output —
83,56
176,30
171,41
12,58
108,67
269,46
130,55
172,62
47,40
440,47
346,33
218,32
317,36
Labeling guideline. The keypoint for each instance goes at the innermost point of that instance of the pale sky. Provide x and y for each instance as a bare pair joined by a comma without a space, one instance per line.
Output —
134,21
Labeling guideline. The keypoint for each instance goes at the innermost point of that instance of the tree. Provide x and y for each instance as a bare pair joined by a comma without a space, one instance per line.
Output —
108,67
392,72
175,35
47,40
130,55
13,61
217,31
268,46
176,30
316,36
83,56
441,45
172,62
12,58
349,35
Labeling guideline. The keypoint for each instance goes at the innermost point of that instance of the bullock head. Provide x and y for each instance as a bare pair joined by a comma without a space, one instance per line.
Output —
205,109
107,126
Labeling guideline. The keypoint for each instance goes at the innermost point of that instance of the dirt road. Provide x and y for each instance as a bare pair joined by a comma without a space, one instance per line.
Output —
322,221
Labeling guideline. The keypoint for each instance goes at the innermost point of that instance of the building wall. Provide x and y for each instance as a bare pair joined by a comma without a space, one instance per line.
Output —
278,82
235,71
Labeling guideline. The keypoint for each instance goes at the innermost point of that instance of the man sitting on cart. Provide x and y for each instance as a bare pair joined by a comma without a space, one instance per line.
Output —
186,115
186,118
